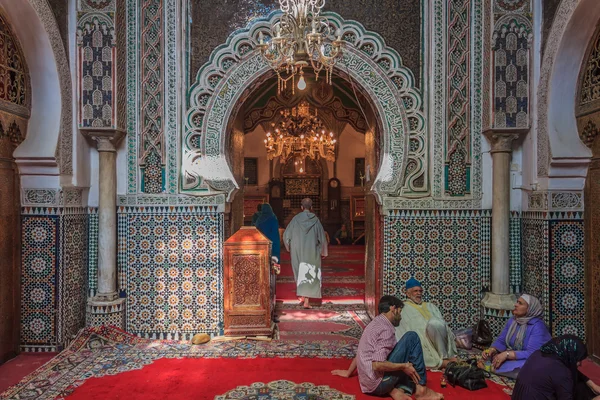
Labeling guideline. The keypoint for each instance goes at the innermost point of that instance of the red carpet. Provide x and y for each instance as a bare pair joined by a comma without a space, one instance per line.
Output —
190,378
319,324
591,370
12,371
329,291
343,274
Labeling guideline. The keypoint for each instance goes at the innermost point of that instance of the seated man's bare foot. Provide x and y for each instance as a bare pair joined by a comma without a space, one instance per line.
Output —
398,394
424,393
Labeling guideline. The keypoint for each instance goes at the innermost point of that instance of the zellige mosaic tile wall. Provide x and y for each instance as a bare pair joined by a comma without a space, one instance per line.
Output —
442,250
173,270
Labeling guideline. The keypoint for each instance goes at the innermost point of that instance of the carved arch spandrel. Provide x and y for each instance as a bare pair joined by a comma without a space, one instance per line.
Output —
375,69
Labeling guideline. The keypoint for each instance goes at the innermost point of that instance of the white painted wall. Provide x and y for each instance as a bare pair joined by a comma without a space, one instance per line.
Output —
254,147
35,156
351,146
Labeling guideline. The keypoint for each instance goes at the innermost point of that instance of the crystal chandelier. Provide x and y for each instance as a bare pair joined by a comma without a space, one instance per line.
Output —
301,37
300,133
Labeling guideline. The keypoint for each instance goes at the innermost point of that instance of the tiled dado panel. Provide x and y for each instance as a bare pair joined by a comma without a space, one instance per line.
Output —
172,267
53,277
442,250
485,262
567,277
92,251
38,282
534,250
553,267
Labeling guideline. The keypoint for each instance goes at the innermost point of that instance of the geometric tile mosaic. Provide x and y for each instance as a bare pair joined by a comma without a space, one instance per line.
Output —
496,319
485,260
53,276
38,280
440,249
534,250
92,251
112,314
73,272
174,273
515,253
567,276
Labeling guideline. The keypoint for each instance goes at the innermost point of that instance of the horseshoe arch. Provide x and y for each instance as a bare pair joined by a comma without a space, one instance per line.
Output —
237,66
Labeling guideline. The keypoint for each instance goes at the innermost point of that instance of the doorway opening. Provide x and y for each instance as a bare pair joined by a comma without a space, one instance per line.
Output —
339,186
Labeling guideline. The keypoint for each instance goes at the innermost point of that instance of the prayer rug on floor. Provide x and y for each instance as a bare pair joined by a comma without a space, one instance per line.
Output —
197,378
106,363
107,351
321,324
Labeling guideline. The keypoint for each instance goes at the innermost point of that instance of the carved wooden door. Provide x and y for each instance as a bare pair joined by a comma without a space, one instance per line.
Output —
592,244
373,271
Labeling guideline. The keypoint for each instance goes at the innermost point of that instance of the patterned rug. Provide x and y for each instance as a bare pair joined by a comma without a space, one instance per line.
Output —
102,351
321,323
284,390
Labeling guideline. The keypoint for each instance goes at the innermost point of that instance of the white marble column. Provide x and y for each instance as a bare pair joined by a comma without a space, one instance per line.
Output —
106,307
501,142
107,220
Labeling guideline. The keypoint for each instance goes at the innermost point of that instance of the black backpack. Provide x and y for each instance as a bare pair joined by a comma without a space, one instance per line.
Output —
466,375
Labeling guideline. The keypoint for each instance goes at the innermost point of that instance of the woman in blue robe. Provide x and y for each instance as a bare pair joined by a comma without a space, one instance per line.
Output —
268,225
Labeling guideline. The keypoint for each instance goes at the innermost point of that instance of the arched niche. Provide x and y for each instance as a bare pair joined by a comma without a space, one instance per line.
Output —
47,148
561,155
236,67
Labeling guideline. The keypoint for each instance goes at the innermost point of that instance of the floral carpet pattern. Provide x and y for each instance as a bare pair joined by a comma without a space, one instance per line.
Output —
101,351
321,322
284,390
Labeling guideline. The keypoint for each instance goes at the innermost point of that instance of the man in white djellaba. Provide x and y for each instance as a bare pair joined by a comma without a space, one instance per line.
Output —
305,239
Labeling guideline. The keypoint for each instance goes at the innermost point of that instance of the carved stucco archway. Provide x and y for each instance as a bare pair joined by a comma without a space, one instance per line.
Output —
559,153
48,147
236,67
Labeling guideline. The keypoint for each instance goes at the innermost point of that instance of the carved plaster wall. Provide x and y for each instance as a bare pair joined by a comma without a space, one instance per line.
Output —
393,96
558,151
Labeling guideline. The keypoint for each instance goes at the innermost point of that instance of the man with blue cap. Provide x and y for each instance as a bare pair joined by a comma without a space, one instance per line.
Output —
424,318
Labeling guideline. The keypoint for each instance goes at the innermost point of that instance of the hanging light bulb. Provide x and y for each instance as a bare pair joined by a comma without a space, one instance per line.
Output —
301,82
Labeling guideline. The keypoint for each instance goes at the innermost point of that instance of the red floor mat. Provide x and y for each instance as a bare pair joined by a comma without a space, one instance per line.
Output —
329,291
197,378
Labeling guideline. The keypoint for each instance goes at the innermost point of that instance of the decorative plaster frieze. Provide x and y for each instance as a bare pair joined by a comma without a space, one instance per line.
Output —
217,201
46,197
566,201
537,201
555,201
397,203
40,197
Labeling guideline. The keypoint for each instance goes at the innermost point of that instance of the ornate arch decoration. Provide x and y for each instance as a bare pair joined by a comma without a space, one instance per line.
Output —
558,154
511,42
588,91
48,145
15,89
236,66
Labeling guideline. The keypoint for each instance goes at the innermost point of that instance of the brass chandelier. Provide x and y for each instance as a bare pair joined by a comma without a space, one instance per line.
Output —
301,37
300,133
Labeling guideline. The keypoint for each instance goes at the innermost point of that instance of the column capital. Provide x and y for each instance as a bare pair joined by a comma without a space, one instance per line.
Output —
502,140
105,139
